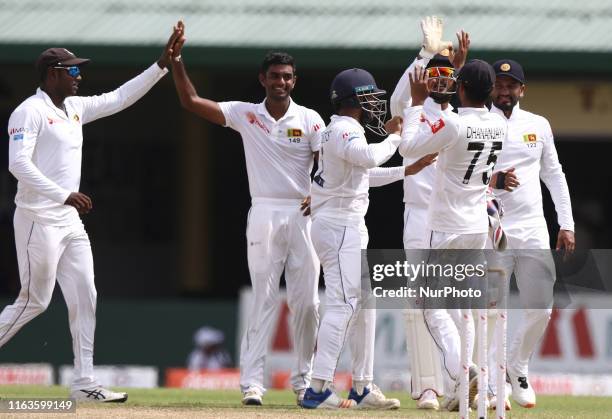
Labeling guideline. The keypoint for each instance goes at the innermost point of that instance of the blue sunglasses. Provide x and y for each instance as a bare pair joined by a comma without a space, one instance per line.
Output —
73,71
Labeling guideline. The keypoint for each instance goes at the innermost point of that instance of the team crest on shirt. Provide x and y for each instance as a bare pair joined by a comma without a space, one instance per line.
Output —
530,138
76,118
434,126
294,132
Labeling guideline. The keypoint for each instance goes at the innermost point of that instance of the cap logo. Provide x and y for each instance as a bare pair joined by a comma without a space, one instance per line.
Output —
505,67
334,94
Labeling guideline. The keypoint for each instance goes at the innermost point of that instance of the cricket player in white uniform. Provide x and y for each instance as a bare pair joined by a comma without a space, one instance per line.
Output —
425,362
530,154
45,152
280,140
457,219
339,204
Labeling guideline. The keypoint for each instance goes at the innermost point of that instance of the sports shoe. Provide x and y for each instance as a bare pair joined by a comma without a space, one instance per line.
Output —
299,394
474,405
98,394
325,400
373,398
522,392
252,397
452,404
493,403
428,400
473,386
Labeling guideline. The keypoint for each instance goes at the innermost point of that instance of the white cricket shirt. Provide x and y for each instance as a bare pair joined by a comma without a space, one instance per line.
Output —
468,144
279,154
530,148
45,145
340,187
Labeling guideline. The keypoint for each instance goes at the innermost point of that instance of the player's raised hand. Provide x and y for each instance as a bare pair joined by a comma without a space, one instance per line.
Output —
178,44
80,201
432,28
420,164
167,54
418,85
459,56
394,125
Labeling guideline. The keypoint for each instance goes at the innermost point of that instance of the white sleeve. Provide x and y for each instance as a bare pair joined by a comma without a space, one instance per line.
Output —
381,176
24,127
421,136
553,177
95,107
401,98
315,128
231,112
356,150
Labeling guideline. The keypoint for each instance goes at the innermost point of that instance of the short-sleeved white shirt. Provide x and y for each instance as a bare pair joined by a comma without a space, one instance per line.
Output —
279,154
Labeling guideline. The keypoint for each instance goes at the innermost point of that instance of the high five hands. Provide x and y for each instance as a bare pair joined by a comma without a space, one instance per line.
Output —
172,50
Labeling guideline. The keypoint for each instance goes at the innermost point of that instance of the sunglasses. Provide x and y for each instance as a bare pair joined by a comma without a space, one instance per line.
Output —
73,71
441,72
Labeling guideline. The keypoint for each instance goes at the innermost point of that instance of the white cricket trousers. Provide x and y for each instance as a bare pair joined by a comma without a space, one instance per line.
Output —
535,276
444,325
339,250
425,359
278,237
44,254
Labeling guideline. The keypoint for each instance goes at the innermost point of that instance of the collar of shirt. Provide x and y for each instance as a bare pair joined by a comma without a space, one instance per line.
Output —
349,120
515,111
431,105
463,111
45,97
291,111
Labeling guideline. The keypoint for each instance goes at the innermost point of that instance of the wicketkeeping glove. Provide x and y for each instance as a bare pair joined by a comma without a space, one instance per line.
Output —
432,37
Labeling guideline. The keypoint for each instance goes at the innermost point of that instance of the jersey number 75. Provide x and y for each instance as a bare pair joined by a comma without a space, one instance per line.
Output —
478,147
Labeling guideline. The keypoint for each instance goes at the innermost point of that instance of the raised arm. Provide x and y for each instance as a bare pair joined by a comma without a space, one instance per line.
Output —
190,100
360,153
95,107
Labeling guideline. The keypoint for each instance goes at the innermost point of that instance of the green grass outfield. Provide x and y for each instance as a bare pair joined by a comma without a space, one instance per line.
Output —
177,403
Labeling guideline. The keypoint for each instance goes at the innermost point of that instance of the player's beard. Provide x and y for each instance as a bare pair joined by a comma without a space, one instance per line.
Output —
506,106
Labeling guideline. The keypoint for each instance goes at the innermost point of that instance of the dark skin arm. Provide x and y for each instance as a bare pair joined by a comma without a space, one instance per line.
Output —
166,57
188,96
420,164
566,240
458,58
80,201
418,86
510,181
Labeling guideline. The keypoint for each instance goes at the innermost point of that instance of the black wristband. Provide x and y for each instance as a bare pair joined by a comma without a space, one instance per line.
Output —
500,183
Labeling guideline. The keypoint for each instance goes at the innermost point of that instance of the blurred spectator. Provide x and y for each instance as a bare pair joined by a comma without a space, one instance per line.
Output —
209,352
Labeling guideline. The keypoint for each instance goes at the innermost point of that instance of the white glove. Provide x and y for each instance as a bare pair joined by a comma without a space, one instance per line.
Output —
432,37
